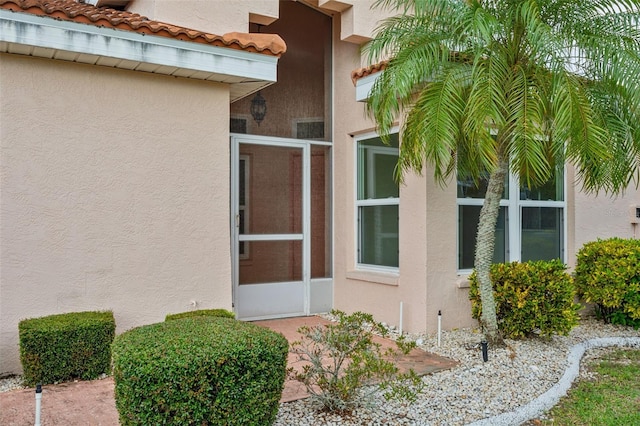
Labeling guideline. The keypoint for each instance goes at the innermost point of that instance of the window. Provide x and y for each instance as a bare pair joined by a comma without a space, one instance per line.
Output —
308,128
377,202
238,125
530,223
468,218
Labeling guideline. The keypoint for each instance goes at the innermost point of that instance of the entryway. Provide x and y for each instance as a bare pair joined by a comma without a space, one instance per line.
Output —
280,227
281,141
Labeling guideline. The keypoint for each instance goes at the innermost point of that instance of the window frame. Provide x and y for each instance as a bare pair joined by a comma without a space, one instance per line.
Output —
359,203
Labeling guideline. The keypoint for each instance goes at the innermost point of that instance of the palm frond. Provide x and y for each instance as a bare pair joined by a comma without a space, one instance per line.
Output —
432,128
537,82
527,147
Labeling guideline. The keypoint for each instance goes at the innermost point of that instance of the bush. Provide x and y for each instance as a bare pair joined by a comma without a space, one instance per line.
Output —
222,313
196,371
608,274
531,297
342,358
64,347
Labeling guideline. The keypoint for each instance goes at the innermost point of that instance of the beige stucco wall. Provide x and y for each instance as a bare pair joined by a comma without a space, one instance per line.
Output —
357,18
591,216
213,16
605,216
114,194
359,21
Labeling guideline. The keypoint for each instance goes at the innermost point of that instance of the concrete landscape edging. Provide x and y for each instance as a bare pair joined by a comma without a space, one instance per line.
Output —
547,400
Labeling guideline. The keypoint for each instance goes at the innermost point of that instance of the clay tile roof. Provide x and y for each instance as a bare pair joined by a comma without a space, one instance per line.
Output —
77,11
366,71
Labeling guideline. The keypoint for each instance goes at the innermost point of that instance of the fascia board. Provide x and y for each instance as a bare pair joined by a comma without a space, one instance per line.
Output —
364,85
45,32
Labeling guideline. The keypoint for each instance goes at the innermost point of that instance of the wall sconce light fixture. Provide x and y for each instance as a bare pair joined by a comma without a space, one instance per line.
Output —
258,108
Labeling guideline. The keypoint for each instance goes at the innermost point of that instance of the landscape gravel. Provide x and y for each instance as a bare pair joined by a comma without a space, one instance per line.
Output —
474,390
513,376
10,383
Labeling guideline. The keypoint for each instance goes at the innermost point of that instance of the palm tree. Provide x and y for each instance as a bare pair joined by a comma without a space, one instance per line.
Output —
492,87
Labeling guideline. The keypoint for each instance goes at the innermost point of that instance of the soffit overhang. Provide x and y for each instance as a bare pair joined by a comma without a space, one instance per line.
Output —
45,37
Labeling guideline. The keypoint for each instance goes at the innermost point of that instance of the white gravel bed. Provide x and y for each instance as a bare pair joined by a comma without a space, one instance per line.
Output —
11,383
513,377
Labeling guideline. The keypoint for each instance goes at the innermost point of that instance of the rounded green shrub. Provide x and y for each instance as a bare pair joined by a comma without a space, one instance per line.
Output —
608,274
64,347
531,297
222,313
197,371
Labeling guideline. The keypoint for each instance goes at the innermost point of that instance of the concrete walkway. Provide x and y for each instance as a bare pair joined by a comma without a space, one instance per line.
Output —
92,403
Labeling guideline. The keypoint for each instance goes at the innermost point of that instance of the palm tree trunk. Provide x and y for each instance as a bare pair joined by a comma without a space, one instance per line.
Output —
485,242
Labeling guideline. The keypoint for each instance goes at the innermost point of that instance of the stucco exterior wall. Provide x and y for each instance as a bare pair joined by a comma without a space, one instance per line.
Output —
446,290
359,21
114,195
605,216
357,18
216,17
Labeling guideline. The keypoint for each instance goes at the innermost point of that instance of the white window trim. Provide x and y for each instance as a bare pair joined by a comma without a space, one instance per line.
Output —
370,202
514,219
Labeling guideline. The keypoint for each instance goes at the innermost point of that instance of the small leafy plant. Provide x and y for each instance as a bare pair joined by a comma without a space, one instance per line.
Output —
345,366
608,274
531,298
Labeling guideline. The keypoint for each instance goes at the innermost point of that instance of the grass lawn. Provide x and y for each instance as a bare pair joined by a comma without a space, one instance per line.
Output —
611,398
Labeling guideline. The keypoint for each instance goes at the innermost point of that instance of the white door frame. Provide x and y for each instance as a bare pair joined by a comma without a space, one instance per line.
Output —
271,300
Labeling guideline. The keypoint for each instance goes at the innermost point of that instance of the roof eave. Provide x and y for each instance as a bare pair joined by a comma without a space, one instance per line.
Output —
33,35
364,85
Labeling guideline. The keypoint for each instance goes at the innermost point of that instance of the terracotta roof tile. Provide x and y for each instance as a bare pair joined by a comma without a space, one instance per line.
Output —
366,71
76,11
356,75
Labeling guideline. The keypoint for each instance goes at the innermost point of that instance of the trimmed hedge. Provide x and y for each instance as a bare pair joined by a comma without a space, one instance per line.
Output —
608,274
222,313
531,297
200,370
59,348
